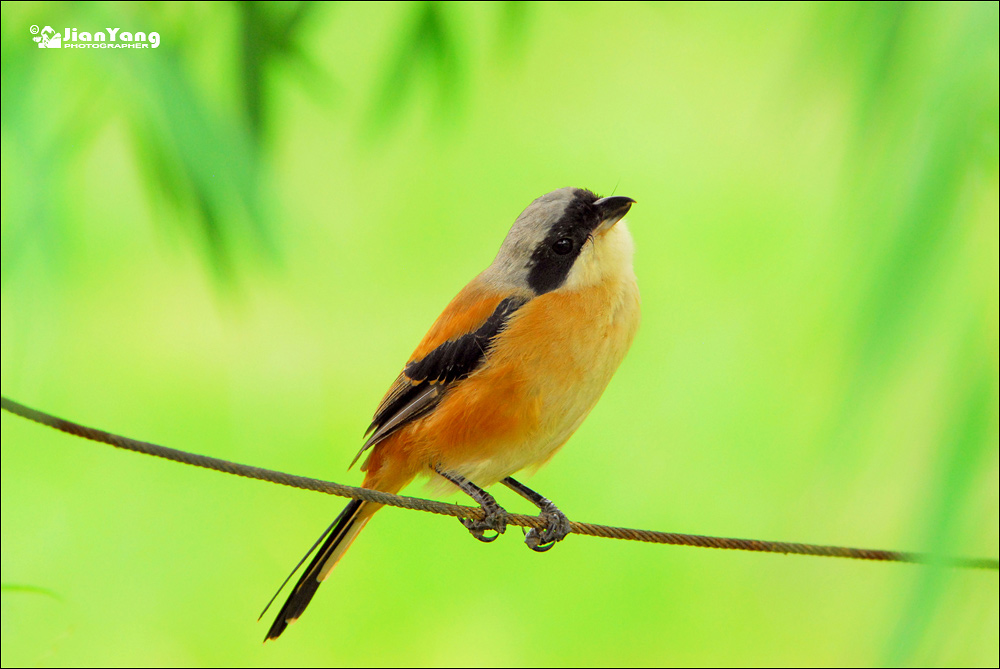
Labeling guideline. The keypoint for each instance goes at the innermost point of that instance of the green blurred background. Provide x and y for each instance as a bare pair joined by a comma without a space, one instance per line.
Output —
230,244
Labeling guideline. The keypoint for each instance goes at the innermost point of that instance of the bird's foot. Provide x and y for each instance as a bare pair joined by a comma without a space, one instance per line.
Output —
494,519
556,529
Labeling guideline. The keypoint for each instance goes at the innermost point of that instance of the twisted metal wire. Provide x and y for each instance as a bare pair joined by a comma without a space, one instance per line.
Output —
459,511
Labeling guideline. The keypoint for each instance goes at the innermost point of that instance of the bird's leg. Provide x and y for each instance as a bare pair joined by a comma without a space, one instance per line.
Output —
494,516
556,522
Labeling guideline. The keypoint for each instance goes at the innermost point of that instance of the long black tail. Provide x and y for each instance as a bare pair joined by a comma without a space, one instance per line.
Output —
341,534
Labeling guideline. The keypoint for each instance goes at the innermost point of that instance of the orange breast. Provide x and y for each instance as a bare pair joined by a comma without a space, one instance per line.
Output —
544,374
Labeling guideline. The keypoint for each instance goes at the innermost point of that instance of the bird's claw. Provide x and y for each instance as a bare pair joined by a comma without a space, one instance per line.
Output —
556,528
494,519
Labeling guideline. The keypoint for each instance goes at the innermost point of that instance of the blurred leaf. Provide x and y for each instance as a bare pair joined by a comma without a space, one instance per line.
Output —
15,588
864,38
269,33
428,45
512,28
920,131
963,451
48,124
201,160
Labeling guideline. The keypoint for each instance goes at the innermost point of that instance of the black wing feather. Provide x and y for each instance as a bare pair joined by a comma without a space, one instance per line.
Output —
452,361
457,358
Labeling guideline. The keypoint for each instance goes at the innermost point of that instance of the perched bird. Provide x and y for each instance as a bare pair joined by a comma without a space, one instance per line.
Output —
505,375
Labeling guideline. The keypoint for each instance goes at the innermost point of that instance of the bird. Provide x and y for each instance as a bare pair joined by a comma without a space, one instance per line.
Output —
504,377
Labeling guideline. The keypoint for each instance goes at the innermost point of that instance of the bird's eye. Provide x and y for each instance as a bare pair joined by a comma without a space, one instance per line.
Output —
563,246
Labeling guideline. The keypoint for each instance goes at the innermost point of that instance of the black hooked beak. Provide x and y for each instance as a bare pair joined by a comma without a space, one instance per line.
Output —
612,209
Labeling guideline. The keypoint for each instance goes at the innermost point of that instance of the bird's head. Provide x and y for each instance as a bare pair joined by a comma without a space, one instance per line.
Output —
566,239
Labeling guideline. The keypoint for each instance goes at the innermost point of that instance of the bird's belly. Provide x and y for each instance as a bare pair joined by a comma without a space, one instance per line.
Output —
525,408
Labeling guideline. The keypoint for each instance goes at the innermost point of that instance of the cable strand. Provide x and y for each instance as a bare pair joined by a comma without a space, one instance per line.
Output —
459,511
